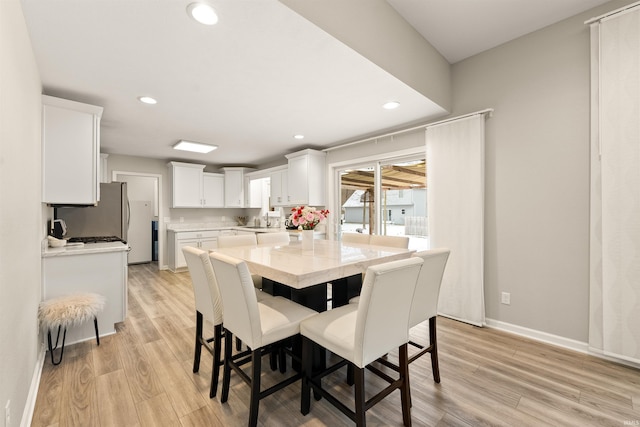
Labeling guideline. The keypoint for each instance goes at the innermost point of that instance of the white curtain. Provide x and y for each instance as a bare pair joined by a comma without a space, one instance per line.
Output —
455,208
614,327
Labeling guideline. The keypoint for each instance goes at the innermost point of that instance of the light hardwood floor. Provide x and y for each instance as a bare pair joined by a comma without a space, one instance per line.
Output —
142,376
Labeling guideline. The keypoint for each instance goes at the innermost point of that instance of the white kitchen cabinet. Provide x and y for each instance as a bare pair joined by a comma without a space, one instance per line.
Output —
186,184
70,152
194,188
205,240
306,178
97,267
212,190
234,187
280,188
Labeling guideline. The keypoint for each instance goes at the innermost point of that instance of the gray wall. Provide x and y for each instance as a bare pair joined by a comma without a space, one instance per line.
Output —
21,212
537,173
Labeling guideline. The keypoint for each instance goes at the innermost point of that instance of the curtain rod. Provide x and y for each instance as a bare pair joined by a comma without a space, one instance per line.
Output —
613,12
485,111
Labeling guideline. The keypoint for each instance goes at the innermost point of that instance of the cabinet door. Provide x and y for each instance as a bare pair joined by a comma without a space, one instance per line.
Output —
209,244
298,181
70,141
213,190
180,261
187,187
234,189
279,189
255,193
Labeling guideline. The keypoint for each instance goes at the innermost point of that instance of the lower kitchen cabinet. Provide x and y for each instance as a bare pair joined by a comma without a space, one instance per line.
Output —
205,240
104,272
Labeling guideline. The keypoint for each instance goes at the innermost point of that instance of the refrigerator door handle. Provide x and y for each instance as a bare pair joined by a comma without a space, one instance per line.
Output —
128,214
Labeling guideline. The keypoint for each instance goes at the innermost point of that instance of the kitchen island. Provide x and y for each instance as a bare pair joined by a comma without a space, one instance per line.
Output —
100,268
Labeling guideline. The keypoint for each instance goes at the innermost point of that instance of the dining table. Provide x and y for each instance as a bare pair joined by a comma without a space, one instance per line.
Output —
302,275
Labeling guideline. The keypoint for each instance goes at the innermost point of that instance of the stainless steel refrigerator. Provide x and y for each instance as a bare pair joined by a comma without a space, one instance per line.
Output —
109,218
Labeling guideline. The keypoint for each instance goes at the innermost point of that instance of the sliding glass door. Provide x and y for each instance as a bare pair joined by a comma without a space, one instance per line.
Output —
386,198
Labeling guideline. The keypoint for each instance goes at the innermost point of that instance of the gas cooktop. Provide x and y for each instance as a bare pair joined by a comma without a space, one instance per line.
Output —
97,239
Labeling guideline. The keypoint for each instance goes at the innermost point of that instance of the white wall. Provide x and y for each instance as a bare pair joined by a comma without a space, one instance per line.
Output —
21,212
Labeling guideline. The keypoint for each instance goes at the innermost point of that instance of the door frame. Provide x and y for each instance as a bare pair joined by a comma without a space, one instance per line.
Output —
333,182
158,178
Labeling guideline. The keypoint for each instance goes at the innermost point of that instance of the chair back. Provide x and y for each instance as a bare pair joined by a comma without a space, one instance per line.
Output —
382,319
425,300
391,241
205,286
355,238
239,240
238,298
279,238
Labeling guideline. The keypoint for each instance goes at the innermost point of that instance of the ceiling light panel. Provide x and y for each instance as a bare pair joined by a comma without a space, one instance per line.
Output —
194,147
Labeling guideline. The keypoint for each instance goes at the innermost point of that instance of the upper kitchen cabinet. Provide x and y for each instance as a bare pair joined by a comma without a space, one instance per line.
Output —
70,152
186,184
212,190
280,188
234,187
194,188
307,177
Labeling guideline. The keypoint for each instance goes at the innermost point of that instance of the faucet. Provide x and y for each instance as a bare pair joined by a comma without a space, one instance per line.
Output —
266,219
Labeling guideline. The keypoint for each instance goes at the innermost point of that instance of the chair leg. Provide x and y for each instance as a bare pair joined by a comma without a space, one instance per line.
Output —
350,374
433,341
256,366
238,344
215,370
95,325
198,349
405,392
307,367
226,375
358,374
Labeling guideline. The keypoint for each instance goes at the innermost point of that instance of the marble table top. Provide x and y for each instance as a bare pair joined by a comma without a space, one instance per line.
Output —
289,264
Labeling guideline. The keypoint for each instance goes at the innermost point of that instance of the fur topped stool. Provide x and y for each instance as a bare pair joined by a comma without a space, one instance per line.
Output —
66,311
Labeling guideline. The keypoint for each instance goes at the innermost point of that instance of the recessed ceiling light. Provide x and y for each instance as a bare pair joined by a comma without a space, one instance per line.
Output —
298,136
196,147
203,13
147,100
391,105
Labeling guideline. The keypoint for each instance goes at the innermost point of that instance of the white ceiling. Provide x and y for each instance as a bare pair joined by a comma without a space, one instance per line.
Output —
251,82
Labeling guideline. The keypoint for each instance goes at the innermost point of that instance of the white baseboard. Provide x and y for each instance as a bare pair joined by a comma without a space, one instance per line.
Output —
533,334
30,405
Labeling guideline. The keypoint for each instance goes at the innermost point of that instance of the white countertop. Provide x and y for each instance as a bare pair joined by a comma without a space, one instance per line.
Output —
329,260
217,227
87,248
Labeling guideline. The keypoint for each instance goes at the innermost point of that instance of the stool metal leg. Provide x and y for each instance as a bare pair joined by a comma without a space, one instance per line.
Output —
95,324
51,348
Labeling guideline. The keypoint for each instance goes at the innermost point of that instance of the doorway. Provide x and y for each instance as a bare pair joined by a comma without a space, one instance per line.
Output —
143,192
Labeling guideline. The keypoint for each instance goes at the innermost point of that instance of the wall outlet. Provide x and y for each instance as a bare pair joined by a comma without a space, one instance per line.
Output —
7,414
506,298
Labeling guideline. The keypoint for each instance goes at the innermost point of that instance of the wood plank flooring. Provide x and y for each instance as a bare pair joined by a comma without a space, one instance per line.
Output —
142,376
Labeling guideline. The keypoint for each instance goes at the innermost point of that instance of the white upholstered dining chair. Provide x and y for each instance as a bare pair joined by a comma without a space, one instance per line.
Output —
244,240
280,237
362,333
391,241
208,307
258,324
355,238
